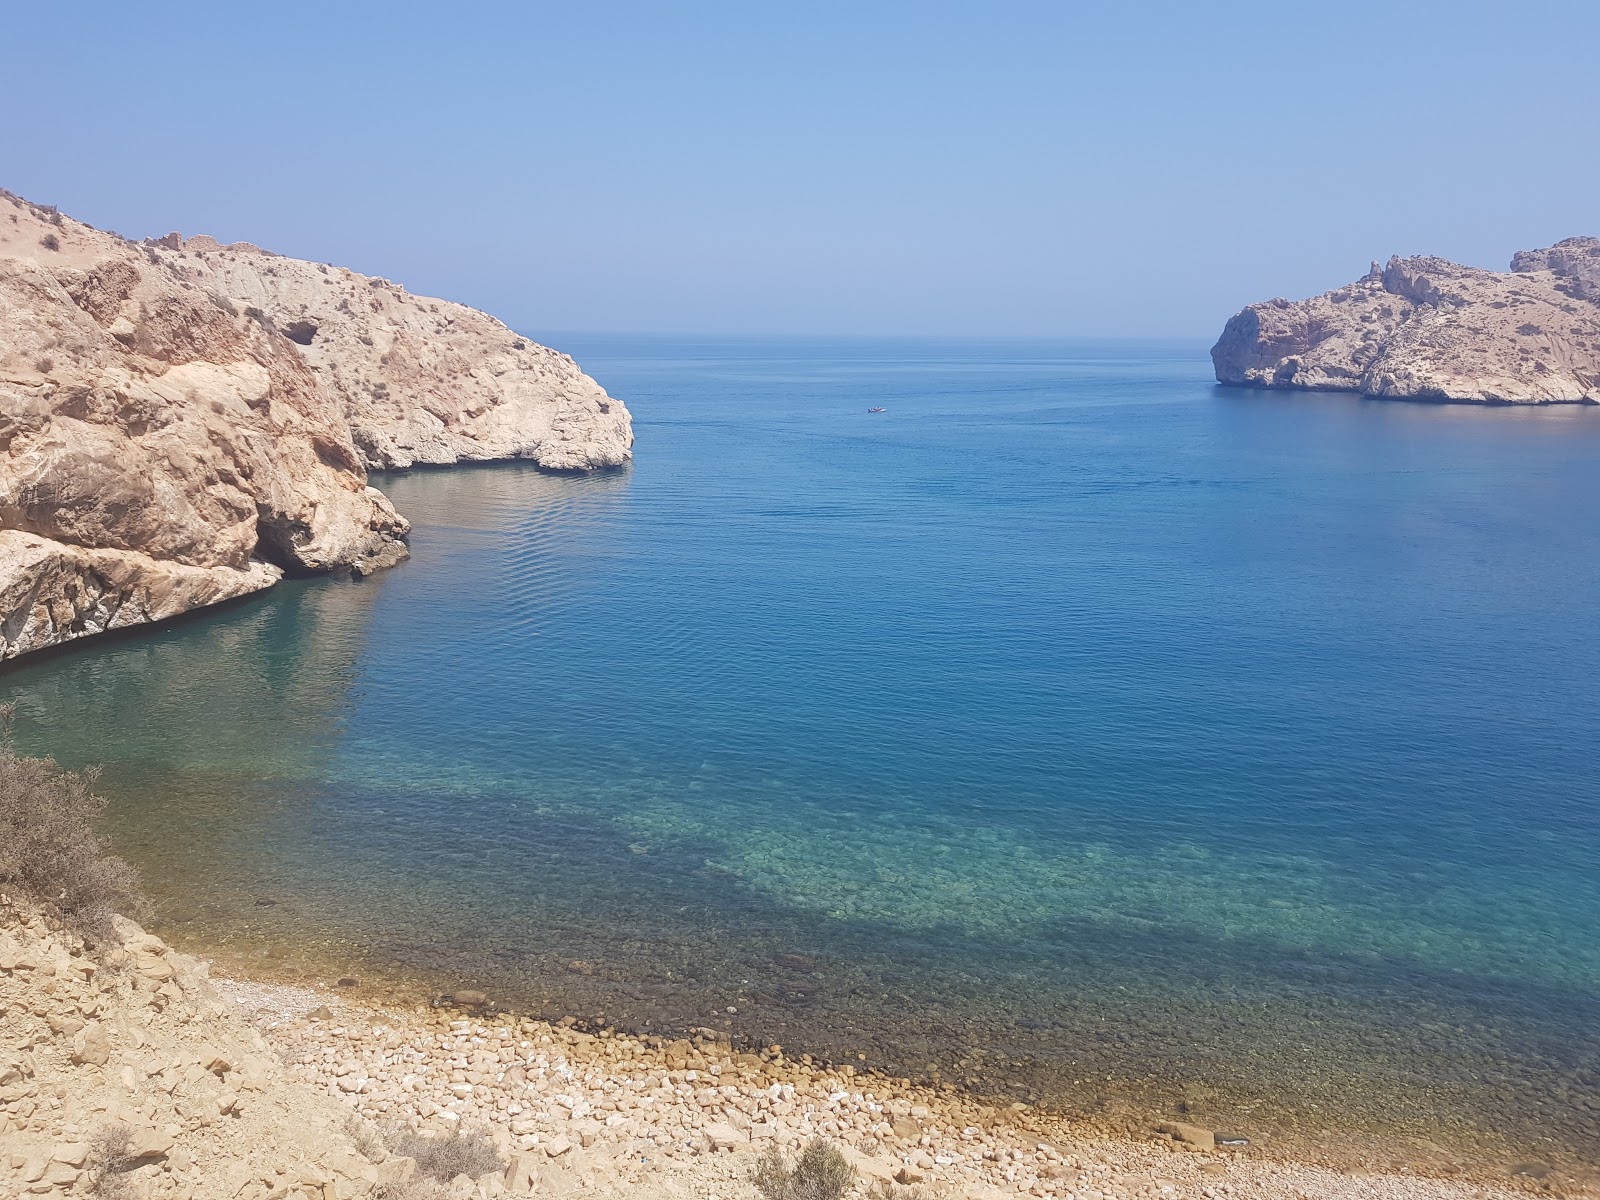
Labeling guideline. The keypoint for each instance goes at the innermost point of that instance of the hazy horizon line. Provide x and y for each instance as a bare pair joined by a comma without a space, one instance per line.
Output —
1143,338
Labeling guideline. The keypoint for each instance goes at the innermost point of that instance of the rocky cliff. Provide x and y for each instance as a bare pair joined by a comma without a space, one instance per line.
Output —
182,422
1428,329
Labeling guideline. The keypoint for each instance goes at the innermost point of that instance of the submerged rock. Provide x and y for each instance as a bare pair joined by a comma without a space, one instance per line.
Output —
1429,329
1189,1135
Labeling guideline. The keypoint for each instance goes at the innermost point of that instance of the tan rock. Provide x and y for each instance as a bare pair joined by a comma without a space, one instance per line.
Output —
1427,328
522,1175
395,1170
179,424
213,1060
61,1175
719,1135
91,1046
71,1153
152,966
905,1129
145,1142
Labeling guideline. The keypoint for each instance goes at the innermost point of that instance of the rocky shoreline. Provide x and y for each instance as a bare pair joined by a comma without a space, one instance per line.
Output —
184,422
236,1088
1424,328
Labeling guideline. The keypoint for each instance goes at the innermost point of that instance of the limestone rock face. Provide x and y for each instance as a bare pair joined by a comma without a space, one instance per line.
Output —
419,380
1575,262
181,423
1429,329
51,591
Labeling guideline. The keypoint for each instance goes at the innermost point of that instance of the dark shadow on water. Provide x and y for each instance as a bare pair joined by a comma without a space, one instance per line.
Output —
137,634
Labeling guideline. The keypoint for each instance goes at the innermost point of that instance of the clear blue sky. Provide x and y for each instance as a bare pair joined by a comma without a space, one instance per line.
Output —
981,168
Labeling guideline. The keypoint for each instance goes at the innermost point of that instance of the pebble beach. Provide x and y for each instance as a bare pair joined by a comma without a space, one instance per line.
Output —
609,1114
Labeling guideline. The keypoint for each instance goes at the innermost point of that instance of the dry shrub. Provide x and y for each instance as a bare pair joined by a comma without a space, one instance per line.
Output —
418,1187
49,850
368,1141
50,242
820,1173
443,1157
109,1163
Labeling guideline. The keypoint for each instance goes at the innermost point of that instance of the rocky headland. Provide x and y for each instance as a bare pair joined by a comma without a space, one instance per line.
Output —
182,422
1428,329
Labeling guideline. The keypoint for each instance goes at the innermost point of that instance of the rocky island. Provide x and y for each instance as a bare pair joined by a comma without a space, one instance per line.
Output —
183,422
1425,328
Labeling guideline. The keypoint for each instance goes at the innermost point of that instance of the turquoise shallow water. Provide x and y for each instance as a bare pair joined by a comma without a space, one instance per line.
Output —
1075,728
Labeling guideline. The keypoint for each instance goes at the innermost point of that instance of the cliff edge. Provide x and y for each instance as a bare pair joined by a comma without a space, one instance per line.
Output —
182,422
1429,329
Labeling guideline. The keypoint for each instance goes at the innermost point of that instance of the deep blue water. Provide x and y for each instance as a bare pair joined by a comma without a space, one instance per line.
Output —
1074,727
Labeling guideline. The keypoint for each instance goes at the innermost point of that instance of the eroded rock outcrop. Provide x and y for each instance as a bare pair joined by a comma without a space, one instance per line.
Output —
418,380
183,422
1429,329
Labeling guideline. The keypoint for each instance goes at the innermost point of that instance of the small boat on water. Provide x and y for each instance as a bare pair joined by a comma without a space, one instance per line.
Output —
877,410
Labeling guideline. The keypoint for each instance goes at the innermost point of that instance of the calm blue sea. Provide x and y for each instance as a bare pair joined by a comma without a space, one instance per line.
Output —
1075,730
